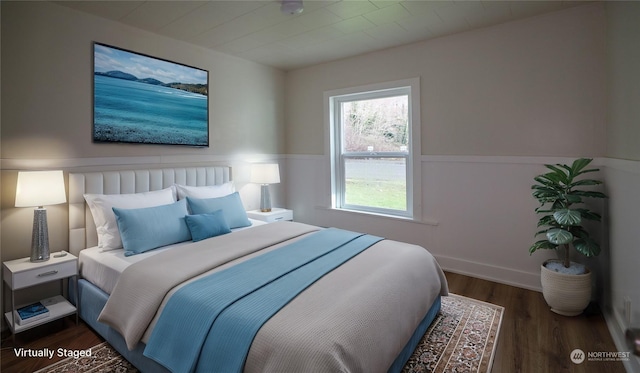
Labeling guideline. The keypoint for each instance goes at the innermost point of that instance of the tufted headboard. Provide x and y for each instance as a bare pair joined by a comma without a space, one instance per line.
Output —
82,229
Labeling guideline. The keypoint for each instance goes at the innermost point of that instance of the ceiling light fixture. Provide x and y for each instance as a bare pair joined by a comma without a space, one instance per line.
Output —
291,6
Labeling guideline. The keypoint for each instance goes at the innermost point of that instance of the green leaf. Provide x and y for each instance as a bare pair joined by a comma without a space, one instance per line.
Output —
569,169
547,183
578,165
559,236
573,198
542,244
547,229
546,220
543,190
559,204
589,215
541,209
550,188
544,195
585,182
587,246
568,217
579,232
587,171
590,194
557,175
543,186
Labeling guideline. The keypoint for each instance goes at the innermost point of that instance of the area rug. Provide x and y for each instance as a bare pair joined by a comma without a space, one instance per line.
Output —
462,338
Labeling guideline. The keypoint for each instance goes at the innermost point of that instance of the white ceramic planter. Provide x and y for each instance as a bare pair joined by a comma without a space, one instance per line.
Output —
567,295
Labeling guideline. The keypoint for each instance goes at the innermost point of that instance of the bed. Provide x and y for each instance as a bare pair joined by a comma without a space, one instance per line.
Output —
359,304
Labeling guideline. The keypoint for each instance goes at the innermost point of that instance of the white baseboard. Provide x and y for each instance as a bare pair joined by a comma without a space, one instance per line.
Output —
507,276
617,331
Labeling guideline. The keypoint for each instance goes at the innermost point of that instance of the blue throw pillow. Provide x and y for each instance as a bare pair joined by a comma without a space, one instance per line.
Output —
148,228
231,207
204,226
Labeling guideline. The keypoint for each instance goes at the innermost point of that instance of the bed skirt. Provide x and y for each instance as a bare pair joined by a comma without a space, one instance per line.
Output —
93,299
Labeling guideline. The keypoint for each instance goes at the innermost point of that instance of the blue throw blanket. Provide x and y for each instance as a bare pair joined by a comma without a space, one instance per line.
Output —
212,321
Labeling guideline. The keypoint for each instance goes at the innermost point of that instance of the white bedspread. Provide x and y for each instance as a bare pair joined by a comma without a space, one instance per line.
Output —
356,318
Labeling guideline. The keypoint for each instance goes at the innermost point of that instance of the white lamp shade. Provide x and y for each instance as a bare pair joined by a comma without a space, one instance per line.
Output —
40,188
265,173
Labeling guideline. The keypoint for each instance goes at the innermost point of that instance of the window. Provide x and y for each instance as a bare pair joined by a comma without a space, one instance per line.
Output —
373,146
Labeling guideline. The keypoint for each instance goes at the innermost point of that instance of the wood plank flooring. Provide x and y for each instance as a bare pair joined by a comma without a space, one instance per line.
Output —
535,340
532,338
63,333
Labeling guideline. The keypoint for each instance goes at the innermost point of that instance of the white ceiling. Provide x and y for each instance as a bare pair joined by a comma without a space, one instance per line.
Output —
326,30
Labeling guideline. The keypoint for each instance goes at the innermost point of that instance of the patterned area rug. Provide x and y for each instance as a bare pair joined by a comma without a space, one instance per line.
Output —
462,338
103,359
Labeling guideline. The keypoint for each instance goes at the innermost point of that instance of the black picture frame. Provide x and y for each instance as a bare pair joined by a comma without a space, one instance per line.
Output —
143,99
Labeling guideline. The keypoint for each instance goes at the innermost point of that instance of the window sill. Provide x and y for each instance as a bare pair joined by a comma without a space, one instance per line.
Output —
431,222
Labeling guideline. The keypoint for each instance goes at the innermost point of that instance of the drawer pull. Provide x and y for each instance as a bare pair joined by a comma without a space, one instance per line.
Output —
47,273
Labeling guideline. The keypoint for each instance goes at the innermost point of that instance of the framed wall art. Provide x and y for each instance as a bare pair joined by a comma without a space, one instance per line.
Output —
143,99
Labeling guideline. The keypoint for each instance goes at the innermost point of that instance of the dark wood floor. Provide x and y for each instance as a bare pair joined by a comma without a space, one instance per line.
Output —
532,338
63,333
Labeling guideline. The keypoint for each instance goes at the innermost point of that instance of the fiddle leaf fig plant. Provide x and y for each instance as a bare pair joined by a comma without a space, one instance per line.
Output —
559,192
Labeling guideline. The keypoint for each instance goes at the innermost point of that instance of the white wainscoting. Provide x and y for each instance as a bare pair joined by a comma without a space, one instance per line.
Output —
623,188
478,212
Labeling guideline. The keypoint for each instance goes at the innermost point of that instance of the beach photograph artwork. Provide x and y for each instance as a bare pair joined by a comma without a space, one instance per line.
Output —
142,99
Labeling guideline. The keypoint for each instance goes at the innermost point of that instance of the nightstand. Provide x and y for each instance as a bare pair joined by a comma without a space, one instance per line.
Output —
22,273
276,214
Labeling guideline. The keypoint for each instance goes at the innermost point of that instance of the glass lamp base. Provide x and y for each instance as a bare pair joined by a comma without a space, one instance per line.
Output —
265,198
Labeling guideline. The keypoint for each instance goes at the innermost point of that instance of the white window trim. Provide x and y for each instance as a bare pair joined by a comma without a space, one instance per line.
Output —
414,178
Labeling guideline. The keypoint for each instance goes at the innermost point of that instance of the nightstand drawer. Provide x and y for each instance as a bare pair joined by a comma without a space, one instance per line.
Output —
43,274
277,214
280,216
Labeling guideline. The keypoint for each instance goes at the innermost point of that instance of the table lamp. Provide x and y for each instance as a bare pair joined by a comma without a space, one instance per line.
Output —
37,189
265,174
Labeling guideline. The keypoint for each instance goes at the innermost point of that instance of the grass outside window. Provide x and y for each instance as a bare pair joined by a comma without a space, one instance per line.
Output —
387,194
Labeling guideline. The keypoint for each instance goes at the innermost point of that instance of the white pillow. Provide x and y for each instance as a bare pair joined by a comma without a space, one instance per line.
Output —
101,206
212,191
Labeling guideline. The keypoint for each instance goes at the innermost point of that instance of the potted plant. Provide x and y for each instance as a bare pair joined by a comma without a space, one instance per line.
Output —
566,285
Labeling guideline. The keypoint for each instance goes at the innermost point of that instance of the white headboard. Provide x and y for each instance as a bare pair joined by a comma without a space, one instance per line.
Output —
82,229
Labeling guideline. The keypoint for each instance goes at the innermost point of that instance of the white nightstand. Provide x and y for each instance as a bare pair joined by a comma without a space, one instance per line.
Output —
22,273
276,214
